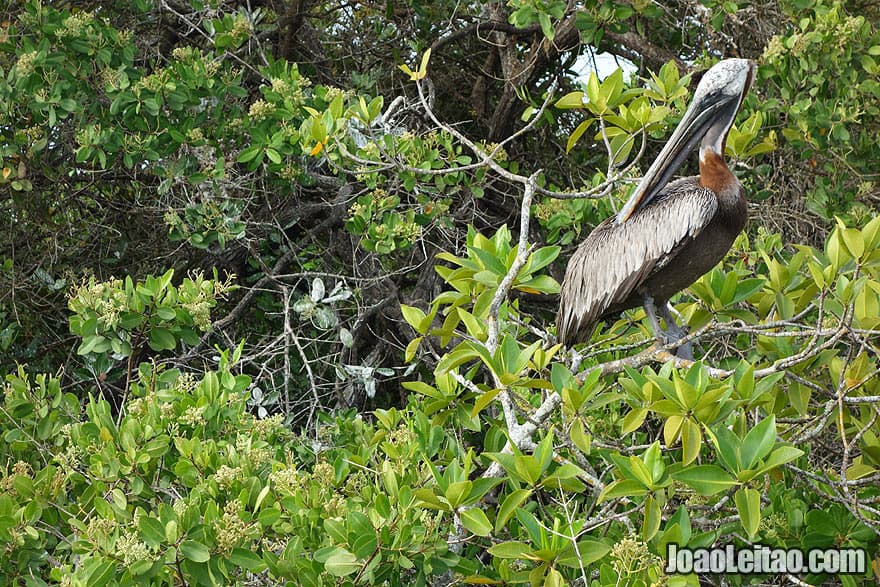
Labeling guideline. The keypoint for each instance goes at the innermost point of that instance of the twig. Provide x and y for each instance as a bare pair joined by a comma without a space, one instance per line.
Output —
290,336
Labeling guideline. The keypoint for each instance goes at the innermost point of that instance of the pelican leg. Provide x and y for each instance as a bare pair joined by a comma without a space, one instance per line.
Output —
676,332
576,360
672,332
651,310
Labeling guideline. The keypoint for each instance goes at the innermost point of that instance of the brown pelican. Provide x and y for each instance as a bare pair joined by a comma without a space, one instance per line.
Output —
669,233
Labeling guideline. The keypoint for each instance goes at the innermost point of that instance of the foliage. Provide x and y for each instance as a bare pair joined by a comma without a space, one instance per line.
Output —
118,317
187,487
829,118
377,396
719,429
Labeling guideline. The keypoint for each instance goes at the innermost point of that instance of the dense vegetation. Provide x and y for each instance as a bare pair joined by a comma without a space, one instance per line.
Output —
278,282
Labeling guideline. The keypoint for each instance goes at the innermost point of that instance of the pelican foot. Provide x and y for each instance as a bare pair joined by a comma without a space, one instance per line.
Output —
685,351
671,336
673,332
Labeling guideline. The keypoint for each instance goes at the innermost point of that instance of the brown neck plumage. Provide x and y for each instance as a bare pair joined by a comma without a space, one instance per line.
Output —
715,175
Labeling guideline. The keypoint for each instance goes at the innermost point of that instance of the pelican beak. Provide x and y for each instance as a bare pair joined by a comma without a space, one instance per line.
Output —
694,125
711,110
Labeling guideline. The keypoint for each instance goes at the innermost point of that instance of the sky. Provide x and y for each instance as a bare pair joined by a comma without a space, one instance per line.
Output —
605,65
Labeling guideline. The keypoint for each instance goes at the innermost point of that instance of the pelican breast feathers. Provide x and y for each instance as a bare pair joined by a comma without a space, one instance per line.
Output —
613,262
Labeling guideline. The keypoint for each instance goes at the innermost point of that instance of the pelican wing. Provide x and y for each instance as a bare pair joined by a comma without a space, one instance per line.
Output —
616,259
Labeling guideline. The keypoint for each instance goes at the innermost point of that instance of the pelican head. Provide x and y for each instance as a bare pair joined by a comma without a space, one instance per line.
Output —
709,117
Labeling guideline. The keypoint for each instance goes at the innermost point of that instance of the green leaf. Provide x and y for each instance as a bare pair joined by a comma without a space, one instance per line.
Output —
171,531
588,551
528,467
195,551
727,444
640,471
98,572
413,316
593,88
273,155
161,339
424,389
554,579
462,354
852,239
571,100
579,436
152,531
651,523
546,25
859,471
166,313
336,107
475,327
871,234
511,550
532,525
211,384
341,563
509,506
260,497
539,284
250,153
633,420
411,348
622,488
475,520
247,560
691,440
758,443
836,250
95,343
780,456
140,567
457,492
672,426
484,399
705,479
748,506
653,460
746,288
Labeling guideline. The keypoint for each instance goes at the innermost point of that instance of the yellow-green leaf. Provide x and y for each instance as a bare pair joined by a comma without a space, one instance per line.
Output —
748,506
571,100
858,471
475,520
691,439
423,66
671,429
411,348
652,520
854,241
622,488
341,563
633,420
413,316
579,436
509,506
484,400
